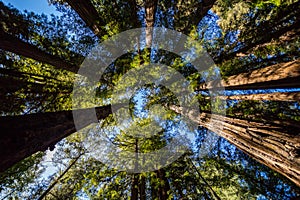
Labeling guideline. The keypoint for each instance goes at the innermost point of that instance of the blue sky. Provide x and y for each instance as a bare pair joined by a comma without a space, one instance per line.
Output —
36,6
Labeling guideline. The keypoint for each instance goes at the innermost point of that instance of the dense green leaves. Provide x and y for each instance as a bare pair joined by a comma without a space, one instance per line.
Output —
239,35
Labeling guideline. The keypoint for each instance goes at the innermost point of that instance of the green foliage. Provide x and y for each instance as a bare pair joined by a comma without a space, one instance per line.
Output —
240,35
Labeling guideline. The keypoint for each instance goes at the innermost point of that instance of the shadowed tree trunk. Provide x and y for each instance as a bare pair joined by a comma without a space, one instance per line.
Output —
154,189
195,17
24,135
282,75
188,14
276,96
273,145
134,12
164,185
88,14
135,177
17,46
142,188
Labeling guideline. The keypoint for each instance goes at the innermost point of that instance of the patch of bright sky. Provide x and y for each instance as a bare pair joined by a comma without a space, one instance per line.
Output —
36,6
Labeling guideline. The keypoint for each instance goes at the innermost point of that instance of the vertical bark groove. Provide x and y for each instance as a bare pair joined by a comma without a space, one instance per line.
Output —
273,145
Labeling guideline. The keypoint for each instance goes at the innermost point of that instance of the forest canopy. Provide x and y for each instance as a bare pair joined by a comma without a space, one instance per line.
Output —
203,105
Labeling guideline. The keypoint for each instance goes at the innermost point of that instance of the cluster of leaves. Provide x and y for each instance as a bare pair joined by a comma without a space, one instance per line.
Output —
239,44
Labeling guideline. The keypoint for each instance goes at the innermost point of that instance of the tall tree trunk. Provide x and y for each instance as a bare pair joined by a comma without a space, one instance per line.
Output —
276,96
46,192
142,188
22,136
164,185
17,46
135,177
282,75
150,8
275,146
134,13
89,15
12,84
154,189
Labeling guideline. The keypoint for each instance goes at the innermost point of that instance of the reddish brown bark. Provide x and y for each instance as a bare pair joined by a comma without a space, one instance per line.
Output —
276,96
273,145
282,75
22,136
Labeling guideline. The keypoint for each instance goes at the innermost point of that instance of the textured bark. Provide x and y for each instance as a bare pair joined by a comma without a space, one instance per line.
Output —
276,96
150,8
282,75
17,46
88,14
273,145
22,136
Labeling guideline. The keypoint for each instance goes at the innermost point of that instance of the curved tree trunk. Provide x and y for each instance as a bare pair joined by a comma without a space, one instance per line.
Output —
273,145
22,136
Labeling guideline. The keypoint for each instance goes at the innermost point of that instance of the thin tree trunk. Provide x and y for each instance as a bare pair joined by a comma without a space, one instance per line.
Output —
154,189
19,74
58,178
276,96
150,8
282,75
164,185
135,178
268,34
275,146
22,136
17,46
142,188
213,193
